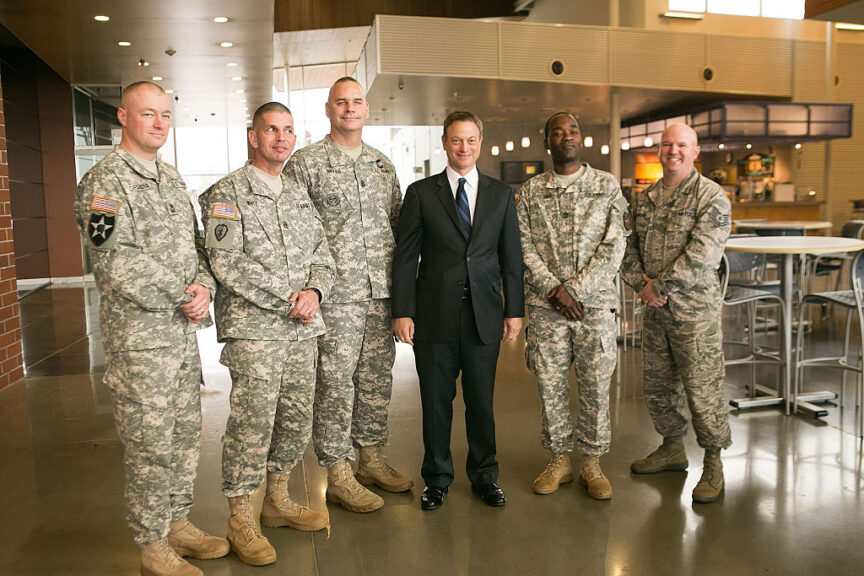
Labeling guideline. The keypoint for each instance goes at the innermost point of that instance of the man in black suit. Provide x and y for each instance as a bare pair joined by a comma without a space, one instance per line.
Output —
462,226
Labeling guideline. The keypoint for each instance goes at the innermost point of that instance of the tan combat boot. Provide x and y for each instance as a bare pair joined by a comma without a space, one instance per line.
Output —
245,537
669,456
711,484
160,559
373,468
557,472
591,475
189,540
279,510
343,489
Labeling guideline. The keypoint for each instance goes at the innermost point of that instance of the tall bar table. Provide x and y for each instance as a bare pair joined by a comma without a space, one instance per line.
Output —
789,247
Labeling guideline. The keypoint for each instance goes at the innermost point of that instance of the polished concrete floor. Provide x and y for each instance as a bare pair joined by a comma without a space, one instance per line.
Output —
793,503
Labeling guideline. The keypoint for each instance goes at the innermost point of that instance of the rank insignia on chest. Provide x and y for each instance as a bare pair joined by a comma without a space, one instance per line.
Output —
224,211
104,204
100,228
333,200
220,231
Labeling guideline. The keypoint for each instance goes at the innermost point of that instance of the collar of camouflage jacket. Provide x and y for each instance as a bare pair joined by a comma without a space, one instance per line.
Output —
338,158
258,186
687,186
551,182
133,163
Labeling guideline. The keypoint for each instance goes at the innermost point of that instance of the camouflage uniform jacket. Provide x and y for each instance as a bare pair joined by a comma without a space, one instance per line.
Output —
680,245
141,235
262,249
574,236
359,203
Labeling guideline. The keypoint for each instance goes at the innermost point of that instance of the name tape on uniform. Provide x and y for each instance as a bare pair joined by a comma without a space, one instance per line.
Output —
104,204
224,211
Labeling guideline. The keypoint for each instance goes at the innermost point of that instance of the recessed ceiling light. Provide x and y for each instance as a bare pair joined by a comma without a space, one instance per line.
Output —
226,44
157,78
243,101
220,19
169,91
101,18
239,91
231,64
236,78
124,43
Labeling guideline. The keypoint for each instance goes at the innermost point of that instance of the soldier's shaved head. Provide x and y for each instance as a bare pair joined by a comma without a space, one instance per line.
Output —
135,87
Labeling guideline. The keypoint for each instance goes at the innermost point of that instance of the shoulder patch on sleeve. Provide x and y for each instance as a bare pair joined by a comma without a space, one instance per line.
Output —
100,230
719,218
103,204
224,211
221,233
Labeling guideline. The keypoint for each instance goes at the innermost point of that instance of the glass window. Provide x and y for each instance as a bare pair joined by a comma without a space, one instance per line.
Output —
736,7
83,121
687,5
792,9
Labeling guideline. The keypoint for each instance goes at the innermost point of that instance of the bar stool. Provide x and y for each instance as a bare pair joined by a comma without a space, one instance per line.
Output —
749,291
852,301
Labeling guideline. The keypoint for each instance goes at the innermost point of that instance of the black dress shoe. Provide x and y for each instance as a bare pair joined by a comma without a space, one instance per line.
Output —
491,494
432,497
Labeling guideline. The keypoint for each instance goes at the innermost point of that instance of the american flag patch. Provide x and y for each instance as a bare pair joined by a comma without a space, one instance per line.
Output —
104,204
224,211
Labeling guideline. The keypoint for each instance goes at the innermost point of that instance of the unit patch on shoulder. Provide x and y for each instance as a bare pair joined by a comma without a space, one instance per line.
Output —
103,204
224,211
221,234
100,229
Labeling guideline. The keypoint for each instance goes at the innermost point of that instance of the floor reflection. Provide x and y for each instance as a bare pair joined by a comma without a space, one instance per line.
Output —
792,506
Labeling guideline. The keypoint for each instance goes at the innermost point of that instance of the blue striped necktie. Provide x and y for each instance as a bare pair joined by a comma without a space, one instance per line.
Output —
463,209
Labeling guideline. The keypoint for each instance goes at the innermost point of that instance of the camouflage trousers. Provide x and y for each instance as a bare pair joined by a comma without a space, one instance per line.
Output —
554,344
355,379
272,390
157,411
682,365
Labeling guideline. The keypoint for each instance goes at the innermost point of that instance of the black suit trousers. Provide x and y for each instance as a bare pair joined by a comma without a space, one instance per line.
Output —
438,365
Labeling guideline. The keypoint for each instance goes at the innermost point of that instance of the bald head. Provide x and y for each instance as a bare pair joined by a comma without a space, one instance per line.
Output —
145,114
137,88
678,151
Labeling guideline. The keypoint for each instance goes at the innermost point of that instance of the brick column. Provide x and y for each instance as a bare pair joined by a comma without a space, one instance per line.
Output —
11,362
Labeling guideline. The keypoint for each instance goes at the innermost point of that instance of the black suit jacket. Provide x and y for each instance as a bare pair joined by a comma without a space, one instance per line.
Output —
492,261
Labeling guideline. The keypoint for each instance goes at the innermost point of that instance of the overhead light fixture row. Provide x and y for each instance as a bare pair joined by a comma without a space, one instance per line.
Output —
101,18
220,19
124,43
226,44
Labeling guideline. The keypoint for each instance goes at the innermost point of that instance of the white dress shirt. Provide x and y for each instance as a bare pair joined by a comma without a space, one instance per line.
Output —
470,186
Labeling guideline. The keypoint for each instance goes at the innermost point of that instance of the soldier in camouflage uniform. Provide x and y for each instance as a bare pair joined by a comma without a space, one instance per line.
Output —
572,222
354,188
681,225
154,285
268,252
